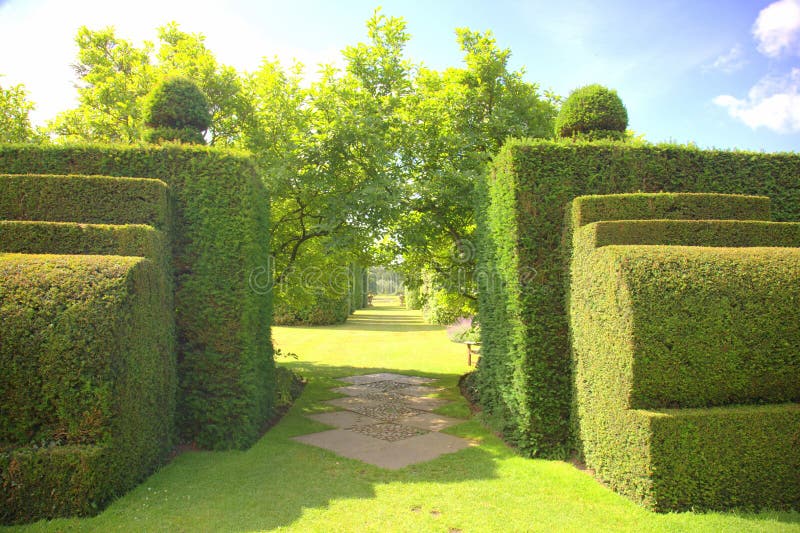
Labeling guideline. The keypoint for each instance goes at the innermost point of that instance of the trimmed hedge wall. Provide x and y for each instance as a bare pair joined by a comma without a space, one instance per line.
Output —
666,206
320,309
87,372
74,238
220,240
667,326
724,233
86,199
524,373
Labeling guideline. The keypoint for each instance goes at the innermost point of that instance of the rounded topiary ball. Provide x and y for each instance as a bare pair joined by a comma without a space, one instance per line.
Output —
594,111
177,104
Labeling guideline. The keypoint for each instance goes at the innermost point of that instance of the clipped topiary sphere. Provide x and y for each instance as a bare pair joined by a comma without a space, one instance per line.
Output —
177,104
593,111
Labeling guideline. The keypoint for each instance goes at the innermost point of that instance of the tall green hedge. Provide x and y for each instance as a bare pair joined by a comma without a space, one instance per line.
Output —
87,373
220,243
86,199
318,309
75,238
524,373
671,327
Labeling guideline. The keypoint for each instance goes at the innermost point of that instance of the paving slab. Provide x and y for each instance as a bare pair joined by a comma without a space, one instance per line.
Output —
382,425
345,419
428,421
386,376
425,404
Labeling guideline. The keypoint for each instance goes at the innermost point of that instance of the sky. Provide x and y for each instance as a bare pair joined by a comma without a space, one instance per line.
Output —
717,73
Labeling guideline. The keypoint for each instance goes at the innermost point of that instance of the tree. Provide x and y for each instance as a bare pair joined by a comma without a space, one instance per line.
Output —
329,150
15,124
115,79
461,117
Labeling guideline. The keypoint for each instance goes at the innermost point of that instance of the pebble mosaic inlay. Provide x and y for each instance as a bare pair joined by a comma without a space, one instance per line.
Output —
389,431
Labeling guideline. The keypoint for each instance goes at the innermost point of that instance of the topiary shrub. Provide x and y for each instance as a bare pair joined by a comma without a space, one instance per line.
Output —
593,112
87,374
524,370
177,110
219,231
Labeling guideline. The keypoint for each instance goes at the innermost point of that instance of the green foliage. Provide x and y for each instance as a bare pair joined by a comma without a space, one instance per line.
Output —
177,102
459,119
524,371
177,109
713,326
85,199
414,299
744,457
667,326
358,287
444,307
74,238
698,206
220,238
88,380
320,310
15,123
115,79
176,135
592,110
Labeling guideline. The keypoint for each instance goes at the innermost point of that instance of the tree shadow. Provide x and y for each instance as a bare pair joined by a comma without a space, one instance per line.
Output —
278,480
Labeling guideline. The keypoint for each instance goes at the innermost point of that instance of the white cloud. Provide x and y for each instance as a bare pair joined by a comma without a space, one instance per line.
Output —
773,103
777,28
731,61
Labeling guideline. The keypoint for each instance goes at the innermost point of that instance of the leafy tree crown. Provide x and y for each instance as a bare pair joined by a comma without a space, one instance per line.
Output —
594,111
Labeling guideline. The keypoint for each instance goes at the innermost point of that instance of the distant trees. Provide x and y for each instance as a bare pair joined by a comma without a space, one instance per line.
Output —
371,162
15,108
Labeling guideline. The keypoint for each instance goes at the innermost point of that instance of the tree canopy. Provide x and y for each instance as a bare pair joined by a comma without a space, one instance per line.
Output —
373,162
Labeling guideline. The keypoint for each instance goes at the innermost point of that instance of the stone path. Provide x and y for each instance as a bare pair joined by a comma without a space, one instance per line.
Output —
386,420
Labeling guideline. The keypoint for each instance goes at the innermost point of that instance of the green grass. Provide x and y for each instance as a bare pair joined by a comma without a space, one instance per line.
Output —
282,485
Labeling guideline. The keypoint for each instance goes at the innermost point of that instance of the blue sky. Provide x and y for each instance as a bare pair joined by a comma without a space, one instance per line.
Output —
722,74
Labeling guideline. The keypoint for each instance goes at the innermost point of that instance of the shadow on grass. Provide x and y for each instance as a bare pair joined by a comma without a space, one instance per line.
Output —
278,482
386,318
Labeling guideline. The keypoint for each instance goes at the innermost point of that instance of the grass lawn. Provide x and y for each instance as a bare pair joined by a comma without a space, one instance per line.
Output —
282,485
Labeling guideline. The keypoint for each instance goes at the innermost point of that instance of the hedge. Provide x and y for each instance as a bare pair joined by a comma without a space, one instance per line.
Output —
86,199
666,206
220,242
711,326
524,373
667,326
88,378
74,238
320,309
724,233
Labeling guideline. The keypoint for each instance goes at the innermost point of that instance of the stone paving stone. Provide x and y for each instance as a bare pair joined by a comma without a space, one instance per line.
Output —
425,404
419,390
389,431
344,419
429,421
387,386
386,376
411,451
384,426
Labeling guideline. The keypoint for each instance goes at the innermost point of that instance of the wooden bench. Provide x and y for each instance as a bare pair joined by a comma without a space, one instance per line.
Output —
471,350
